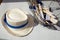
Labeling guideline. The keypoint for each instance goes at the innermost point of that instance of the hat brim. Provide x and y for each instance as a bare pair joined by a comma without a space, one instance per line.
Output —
21,31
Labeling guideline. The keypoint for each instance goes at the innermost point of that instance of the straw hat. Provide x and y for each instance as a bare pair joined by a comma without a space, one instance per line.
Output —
16,22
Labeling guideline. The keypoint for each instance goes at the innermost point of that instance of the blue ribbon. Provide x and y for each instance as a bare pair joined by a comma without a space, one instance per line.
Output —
32,7
15,27
39,2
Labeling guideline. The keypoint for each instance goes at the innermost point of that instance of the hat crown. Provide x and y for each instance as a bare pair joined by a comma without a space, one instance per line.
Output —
16,17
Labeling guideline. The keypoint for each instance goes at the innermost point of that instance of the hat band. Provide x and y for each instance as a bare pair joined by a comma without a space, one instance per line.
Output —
15,27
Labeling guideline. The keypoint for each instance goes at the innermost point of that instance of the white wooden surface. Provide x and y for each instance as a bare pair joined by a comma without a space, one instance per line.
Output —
39,32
